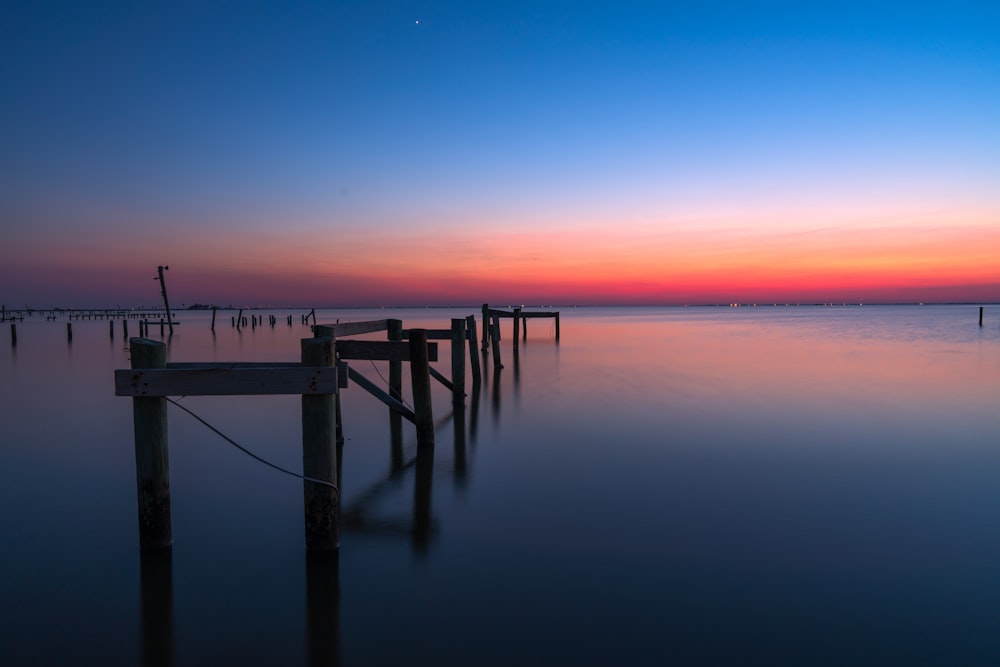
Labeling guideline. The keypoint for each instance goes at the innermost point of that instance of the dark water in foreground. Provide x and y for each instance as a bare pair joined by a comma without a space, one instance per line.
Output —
665,486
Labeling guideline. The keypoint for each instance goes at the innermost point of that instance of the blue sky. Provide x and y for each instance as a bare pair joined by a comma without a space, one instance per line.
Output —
247,117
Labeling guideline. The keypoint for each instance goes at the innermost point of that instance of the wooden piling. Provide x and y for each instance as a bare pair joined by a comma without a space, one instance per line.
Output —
486,325
477,372
980,316
557,327
125,329
420,380
495,336
319,459
458,361
13,335
112,327
166,304
213,317
395,333
239,319
152,470
517,323
69,332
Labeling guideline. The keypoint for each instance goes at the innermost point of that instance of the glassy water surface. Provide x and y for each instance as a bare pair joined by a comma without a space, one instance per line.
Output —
687,486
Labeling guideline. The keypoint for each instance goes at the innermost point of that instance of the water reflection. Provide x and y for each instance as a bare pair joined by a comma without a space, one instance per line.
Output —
156,623
323,609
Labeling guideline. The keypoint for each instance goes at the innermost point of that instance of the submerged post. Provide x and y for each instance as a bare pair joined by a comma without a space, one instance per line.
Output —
458,361
319,460
152,469
420,380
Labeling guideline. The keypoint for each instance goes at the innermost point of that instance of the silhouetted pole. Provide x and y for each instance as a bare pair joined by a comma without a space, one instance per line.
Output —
13,335
420,379
69,332
166,304
486,325
213,318
395,333
980,316
319,459
477,373
458,361
152,466
112,323
517,324
557,326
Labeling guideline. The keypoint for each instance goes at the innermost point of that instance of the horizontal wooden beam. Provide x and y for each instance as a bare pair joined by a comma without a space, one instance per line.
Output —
382,350
506,313
339,329
432,334
226,381
524,314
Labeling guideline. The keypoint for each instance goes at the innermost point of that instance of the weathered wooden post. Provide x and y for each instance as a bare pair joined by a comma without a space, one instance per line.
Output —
458,361
980,316
495,335
319,460
486,325
420,380
213,317
166,305
557,327
524,327
125,328
152,466
394,333
69,332
13,334
517,324
112,327
477,373
239,320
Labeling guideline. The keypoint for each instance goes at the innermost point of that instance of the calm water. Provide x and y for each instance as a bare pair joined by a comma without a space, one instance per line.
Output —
664,486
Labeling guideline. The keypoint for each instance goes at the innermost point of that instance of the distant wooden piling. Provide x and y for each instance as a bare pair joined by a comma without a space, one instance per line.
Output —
557,327
152,470
213,317
486,325
517,323
420,380
980,316
13,335
69,332
319,459
112,323
166,304
495,340
239,319
470,333
458,361
125,329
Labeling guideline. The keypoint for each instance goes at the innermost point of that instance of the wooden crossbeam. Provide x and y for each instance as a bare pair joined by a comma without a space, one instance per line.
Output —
226,381
382,350
352,328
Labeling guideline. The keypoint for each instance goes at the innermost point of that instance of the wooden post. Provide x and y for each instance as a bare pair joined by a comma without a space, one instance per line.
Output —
152,468
458,361
69,332
112,327
213,317
557,327
13,334
980,316
420,380
319,459
477,372
166,305
517,324
486,325
125,329
395,333
239,319
495,335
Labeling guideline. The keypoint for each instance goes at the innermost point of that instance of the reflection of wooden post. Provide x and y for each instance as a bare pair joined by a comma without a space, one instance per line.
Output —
157,611
323,608
152,465
319,459
420,379
486,325
458,361
422,499
517,324
477,372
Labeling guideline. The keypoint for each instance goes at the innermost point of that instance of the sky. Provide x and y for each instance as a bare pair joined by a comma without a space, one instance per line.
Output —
455,153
